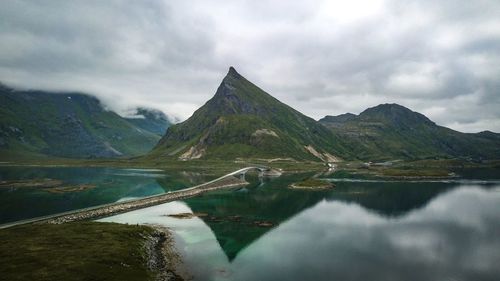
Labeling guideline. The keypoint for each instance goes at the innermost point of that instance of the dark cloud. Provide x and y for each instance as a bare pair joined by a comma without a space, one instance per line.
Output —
441,58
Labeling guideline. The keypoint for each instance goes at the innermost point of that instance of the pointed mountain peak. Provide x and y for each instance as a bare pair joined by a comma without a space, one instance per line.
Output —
242,120
237,95
233,73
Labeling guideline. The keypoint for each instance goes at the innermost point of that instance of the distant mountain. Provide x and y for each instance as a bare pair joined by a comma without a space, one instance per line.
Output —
151,120
339,119
71,125
389,131
242,120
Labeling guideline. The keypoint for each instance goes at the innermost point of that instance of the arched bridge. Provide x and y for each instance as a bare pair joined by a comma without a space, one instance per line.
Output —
225,180
263,171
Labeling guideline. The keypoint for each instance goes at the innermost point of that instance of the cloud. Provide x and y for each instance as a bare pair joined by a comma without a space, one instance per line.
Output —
321,57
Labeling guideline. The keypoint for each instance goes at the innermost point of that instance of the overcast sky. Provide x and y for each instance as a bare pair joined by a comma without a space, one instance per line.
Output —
438,57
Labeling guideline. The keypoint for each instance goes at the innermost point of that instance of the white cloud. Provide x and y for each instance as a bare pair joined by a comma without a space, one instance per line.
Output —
416,79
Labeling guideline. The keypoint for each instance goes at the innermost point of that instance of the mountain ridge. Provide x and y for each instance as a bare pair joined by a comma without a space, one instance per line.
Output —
393,131
73,125
242,120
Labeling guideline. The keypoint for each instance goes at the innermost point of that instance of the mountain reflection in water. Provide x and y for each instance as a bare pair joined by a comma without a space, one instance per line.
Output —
358,231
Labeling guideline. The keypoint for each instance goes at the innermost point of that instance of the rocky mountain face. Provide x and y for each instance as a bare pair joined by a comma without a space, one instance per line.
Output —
70,125
390,131
241,120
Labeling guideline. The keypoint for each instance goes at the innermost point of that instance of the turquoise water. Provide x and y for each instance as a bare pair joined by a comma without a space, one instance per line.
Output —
109,185
361,230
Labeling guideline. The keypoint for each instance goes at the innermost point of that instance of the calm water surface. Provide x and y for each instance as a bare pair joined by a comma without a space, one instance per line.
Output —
108,185
361,230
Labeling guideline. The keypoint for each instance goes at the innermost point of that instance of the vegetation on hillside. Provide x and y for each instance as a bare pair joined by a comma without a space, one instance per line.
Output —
391,131
36,123
75,251
242,120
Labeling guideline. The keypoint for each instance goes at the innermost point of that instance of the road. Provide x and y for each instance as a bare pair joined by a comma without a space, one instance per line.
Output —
230,180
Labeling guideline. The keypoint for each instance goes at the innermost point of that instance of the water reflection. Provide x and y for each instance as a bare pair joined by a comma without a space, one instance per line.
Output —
455,237
359,231
390,198
274,203
102,185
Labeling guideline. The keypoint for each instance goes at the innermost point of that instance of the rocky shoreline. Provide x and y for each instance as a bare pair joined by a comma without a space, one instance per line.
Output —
162,257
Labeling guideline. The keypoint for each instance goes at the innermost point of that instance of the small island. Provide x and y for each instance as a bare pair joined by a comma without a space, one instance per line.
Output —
49,185
312,184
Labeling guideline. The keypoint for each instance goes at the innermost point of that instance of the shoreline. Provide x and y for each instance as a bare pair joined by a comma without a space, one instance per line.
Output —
162,257
227,181
299,187
123,207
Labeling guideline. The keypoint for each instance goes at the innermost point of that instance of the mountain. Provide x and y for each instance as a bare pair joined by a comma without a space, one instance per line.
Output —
390,131
241,120
339,119
151,120
70,125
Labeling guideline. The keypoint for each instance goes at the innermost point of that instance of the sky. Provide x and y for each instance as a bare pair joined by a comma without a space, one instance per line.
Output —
437,57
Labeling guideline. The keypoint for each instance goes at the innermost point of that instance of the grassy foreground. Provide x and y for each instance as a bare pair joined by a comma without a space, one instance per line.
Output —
74,251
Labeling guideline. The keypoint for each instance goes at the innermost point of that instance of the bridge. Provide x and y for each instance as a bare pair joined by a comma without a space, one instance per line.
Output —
263,171
231,180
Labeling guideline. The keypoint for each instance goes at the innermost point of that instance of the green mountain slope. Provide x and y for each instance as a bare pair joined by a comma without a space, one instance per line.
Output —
390,131
242,120
67,125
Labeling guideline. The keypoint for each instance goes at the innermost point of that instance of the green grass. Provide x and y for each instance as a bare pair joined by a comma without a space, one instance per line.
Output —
438,168
213,167
312,183
75,251
413,172
219,167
